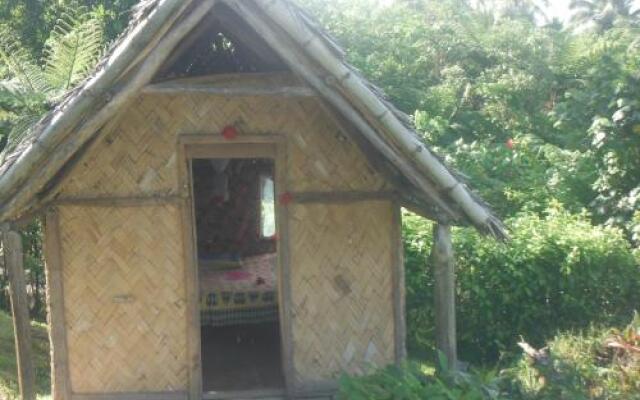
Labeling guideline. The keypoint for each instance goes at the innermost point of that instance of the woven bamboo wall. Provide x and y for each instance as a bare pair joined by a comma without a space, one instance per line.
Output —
124,299
341,254
342,289
137,156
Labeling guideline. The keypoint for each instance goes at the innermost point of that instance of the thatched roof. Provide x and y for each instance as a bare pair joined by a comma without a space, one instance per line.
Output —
156,28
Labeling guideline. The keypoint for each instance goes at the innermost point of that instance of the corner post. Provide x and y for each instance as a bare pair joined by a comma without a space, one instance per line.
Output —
13,259
445,302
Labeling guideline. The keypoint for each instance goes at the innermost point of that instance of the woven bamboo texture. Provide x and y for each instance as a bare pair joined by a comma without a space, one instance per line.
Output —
124,299
137,155
341,266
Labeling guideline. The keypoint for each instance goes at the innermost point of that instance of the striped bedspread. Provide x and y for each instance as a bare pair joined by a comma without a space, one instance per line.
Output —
247,294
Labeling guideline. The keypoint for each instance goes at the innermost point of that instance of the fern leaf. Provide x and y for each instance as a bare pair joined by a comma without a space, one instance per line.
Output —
19,128
20,64
73,49
14,97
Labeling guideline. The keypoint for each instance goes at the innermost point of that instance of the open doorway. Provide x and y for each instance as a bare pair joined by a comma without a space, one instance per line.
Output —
234,208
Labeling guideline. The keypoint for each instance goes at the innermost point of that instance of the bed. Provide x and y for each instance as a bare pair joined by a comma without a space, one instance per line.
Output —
243,293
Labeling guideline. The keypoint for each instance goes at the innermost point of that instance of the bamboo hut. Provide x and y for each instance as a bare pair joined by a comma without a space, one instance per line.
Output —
222,213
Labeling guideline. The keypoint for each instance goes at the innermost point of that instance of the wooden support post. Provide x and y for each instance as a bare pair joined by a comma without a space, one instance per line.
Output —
60,382
399,309
445,302
13,261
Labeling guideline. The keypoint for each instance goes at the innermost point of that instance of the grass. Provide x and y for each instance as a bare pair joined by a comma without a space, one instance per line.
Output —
8,372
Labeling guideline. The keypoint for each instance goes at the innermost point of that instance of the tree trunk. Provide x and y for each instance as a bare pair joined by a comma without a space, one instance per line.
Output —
13,256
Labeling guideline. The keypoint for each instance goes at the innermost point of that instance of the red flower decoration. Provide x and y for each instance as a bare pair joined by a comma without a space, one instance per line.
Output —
286,198
229,132
511,144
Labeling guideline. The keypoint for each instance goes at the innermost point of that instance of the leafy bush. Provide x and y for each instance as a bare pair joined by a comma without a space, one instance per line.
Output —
559,272
599,364
411,382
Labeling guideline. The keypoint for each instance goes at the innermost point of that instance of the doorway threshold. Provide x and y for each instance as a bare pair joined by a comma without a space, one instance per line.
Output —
262,394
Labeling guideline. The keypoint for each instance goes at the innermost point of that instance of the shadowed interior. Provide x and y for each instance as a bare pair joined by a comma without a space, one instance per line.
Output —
241,357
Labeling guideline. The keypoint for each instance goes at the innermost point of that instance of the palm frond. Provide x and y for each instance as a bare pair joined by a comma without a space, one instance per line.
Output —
73,48
20,64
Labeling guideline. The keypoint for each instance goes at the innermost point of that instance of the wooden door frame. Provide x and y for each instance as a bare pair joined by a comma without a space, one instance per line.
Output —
192,146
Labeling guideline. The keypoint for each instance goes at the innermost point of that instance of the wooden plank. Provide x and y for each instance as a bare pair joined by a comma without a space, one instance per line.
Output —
13,261
444,291
131,396
326,388
284,258
139,201
397,262
265,90
185,181
341,196
60,382
264,394
214,138
231,150
238,78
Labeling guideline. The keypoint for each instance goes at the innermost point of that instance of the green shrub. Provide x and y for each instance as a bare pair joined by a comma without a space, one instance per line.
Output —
411,382
598,364
558,273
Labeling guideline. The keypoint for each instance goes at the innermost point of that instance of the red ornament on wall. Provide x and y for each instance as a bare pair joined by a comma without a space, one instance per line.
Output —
286,198
229,132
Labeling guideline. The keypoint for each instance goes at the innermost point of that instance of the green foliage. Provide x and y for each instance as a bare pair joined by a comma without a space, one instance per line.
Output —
596,364
475,81
28,89
559,272
603,14
31,21
411,382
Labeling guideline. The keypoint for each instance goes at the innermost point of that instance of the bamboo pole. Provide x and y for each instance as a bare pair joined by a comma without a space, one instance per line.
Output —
13,260
140,78
283,14
68,114
444,292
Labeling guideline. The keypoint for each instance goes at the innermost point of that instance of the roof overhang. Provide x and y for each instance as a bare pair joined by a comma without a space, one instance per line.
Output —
158,28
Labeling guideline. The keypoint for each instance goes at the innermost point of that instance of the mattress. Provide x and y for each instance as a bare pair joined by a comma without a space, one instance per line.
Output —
243,295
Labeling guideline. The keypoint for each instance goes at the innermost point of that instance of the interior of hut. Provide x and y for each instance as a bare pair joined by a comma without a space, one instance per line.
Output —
237,260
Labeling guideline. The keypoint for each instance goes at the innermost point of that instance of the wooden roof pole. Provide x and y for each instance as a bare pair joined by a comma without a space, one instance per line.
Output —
444,293
13,260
